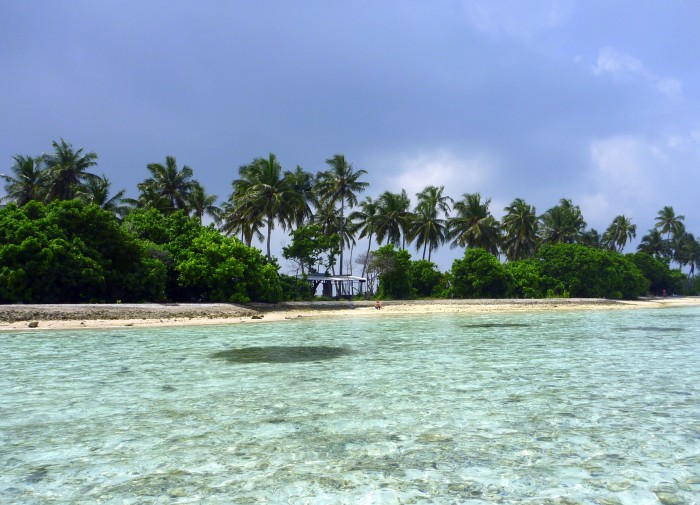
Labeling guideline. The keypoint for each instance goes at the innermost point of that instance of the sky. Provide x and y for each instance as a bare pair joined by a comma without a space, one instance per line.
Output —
597,101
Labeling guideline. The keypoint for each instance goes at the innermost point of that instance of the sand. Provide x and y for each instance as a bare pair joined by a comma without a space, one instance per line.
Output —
56,317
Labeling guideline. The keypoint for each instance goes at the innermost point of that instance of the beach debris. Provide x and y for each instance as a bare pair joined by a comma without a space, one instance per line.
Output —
33,324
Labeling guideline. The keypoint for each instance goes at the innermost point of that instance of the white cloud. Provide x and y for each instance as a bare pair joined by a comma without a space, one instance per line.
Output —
625,66
516,18
614,62
636,176
441,168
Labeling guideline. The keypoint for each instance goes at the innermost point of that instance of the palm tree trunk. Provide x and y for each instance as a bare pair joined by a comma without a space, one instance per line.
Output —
342,232
369,247
269,235
425,246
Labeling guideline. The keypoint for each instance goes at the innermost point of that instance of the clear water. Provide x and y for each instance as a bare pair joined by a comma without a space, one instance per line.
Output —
571,408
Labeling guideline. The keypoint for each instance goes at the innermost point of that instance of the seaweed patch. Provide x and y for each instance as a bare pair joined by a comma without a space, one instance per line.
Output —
281,354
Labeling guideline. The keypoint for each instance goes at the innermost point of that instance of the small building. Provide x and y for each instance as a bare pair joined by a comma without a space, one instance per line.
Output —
337,286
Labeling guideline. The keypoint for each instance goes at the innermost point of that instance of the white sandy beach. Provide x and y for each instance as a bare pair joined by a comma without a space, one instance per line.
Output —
55,317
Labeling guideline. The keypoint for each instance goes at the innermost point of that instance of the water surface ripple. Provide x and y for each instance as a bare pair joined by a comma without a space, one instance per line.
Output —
593,407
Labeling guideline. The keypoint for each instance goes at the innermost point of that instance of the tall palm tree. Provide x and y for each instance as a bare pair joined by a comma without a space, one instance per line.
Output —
563,223
519,226
302,182
29,180
473,225
149,198
264,192
690,253
394,220
427,227
340,185
591,238
327,216
67,170
654,244
669,223
96,191
236,219
672,225
170,183
684,251
200,203
365,221
619,232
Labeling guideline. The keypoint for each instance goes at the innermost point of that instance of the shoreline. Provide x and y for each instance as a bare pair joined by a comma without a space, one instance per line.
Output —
86,316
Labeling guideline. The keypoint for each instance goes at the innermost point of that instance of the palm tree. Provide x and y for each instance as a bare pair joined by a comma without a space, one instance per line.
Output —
302,182
654,244
685,249
340,184
236,219
562,223
519,230
96,191
473,225
170,183
591,238
263,192
427,227
200,203
672,225
619,232
29,181
691,253
365,221
667,222
328,218
393,222
67,170
149,198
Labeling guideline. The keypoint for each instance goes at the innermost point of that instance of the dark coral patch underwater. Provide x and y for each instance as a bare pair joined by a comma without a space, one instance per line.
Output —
281,354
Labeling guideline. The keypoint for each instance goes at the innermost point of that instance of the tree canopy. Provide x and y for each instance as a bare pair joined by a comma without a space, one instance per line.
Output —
165,223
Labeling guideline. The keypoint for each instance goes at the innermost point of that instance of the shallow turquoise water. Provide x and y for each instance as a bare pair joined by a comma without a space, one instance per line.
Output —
576,407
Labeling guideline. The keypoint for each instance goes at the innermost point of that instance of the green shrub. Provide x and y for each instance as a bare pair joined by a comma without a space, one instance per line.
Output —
479,274
68,251
424,278
587,272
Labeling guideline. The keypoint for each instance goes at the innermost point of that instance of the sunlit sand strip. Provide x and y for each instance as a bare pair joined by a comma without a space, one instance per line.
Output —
63,317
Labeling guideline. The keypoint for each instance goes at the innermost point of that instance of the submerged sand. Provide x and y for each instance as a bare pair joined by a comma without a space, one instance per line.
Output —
19,317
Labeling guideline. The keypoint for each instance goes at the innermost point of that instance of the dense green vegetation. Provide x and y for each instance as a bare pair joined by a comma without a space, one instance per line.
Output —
64,237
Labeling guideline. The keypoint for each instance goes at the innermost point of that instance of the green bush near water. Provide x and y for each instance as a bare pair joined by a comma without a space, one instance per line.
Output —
204,265
68,251
71,252
587,272
479,274
562,270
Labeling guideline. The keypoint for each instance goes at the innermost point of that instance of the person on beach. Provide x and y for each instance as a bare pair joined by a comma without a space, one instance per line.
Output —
378,304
